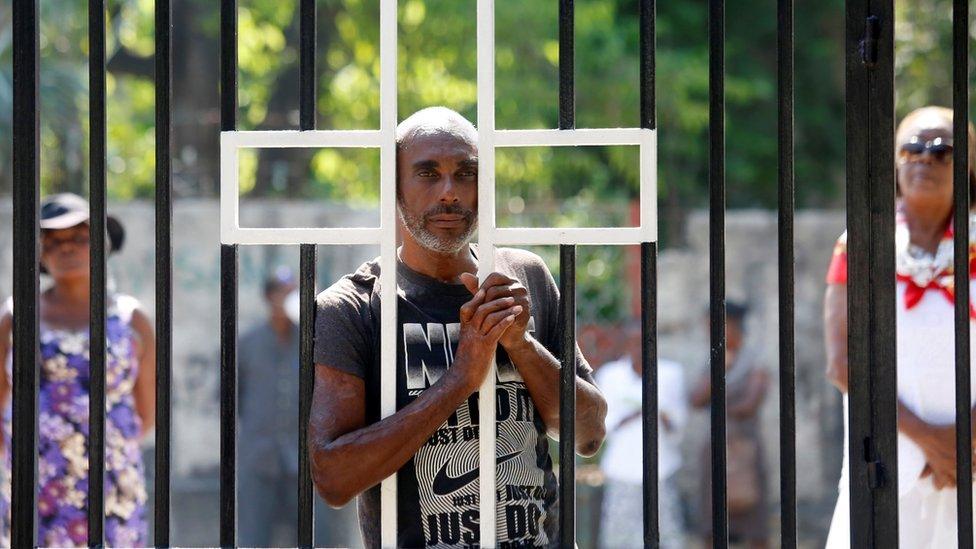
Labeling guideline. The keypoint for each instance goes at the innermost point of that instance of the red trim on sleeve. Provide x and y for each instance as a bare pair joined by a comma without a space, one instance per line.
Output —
837,272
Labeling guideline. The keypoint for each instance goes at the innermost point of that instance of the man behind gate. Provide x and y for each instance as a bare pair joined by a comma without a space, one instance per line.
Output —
449,328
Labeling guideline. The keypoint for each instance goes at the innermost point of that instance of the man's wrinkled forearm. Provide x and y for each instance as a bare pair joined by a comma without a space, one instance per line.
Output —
540,371
357,461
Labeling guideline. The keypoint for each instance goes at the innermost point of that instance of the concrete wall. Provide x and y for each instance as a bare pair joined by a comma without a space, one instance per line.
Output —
683,297
751,276
196,313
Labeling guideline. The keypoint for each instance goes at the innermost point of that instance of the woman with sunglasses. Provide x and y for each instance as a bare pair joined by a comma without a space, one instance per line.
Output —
925,333
63,372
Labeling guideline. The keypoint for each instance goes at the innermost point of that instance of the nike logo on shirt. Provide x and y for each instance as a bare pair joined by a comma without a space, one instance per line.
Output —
445,484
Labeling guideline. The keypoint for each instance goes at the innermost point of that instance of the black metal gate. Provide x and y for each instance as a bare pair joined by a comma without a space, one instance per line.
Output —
870,131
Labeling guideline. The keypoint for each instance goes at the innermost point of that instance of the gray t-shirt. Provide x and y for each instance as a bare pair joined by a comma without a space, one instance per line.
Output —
437,491
267,384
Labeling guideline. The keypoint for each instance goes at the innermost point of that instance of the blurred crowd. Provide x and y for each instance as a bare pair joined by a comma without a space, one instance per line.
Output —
269,373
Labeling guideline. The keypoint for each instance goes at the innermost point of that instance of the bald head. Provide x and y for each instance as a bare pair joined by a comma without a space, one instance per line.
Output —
435,122
437,180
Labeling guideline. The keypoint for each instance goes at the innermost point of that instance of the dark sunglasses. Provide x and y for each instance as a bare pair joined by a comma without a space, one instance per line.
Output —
51,243
940,148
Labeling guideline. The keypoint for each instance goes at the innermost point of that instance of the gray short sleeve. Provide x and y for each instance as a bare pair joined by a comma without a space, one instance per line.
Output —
342,332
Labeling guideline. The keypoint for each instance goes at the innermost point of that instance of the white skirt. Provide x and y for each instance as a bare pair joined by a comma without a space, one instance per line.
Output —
926,518
926,385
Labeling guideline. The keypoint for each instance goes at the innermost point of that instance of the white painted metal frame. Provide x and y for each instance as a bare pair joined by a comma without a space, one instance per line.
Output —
489,234
385,235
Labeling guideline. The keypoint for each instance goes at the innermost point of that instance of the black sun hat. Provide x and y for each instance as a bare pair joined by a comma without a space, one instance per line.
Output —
65,210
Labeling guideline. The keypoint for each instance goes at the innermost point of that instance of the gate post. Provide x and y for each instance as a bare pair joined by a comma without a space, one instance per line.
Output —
871,273
26,191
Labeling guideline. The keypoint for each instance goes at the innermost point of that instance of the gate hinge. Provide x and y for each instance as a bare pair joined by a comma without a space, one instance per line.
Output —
876,474
869,45
876,468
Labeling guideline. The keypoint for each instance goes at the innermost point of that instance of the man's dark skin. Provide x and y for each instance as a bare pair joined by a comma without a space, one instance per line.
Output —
439,168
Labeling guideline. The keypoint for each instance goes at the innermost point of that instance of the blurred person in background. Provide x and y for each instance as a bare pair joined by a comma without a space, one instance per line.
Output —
925,333
63,391
621,461
746,385
268,367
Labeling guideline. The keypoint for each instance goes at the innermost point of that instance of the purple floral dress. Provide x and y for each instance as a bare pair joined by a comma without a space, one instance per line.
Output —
62,464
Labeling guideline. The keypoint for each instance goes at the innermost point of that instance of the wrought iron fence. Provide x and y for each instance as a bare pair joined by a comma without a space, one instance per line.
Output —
869,115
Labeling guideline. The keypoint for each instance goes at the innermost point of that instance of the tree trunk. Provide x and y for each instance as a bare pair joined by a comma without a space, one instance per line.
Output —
286,171
196,100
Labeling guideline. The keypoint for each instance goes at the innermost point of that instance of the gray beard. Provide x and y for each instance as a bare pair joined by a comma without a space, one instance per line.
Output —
448,246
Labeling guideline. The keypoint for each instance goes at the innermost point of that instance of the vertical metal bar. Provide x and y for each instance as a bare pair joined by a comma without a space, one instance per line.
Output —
716,263
306,113
871,273
228,66
388,245
26,173
787,353
649,409
647,64
228,295
961,205
164,266
567,281
567,396
96,190
305,385
567,66
858,231
649,404
228,395
306,102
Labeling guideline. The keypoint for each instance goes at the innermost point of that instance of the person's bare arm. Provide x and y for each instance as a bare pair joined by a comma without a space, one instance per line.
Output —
348,457
755,394
541,370
145,387
835,334
701,396
6,326
936,441
636,415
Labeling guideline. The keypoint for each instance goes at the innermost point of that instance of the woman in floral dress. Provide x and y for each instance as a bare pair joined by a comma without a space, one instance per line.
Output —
62,464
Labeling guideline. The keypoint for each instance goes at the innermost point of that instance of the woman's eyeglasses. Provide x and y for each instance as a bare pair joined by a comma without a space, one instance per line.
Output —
51,243
939,148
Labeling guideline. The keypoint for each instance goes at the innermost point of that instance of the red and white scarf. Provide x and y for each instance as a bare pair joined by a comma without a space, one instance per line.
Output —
922,271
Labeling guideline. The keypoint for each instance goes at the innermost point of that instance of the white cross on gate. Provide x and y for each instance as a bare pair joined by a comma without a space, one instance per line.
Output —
489,235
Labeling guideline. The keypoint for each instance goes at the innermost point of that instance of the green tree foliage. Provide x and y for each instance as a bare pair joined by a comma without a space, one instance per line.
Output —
923,60
437,60
438,66
62,90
